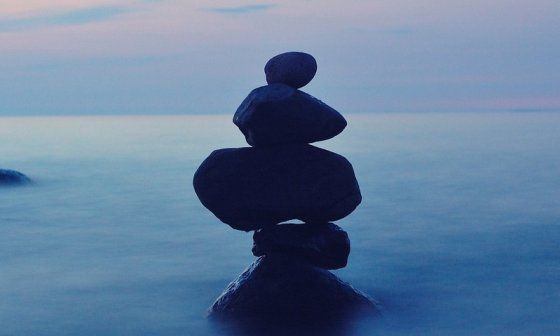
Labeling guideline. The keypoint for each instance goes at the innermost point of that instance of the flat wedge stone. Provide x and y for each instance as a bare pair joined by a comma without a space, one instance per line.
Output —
323,245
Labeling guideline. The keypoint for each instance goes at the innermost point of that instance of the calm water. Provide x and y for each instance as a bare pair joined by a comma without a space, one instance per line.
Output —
458,234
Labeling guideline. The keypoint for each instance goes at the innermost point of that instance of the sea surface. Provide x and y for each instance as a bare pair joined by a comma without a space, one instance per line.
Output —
458,232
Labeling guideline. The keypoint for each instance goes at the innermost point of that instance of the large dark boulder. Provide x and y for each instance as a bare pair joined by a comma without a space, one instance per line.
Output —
12,177
294,68
286,290
323,245
277,114
249,188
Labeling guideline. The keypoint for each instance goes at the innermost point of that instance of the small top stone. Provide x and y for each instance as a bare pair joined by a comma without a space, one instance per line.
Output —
294,68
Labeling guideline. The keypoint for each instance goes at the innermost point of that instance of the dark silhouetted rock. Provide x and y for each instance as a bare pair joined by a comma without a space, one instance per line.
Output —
295,69
323,245
12,177
277,114
284,289
249,188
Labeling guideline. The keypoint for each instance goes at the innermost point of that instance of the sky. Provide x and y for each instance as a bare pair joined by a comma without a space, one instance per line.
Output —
67,57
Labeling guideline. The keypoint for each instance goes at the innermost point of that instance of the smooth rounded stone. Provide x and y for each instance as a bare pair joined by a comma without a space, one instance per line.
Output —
284,289
278,114
294,68
323,245
12,177
251,187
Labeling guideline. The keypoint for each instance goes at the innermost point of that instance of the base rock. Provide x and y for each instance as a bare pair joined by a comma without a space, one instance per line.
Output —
283,289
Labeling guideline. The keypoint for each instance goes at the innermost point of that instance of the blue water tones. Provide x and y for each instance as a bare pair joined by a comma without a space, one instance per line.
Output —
458,233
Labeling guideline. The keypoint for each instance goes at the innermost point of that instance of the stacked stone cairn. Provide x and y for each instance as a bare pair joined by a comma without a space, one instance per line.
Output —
280,178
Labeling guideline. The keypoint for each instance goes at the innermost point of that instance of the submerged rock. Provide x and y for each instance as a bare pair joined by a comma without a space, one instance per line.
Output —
323,245
284,289
249,188
12,177
294,68
277,114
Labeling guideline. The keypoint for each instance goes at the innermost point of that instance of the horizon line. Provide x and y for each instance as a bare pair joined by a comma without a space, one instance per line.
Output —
501,111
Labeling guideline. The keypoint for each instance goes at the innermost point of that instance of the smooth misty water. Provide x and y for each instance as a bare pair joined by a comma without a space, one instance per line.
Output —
458,234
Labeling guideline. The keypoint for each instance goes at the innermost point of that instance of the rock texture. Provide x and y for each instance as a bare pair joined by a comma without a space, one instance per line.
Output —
249,188
12,177
295,69
282,288
278,114
323,245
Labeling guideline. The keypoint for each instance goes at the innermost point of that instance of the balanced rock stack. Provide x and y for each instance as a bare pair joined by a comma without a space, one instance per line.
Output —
281,178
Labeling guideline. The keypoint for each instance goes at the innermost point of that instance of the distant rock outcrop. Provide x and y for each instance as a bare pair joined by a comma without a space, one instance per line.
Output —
12,177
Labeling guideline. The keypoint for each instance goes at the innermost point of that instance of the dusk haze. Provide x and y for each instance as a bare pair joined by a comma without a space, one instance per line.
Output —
64,57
